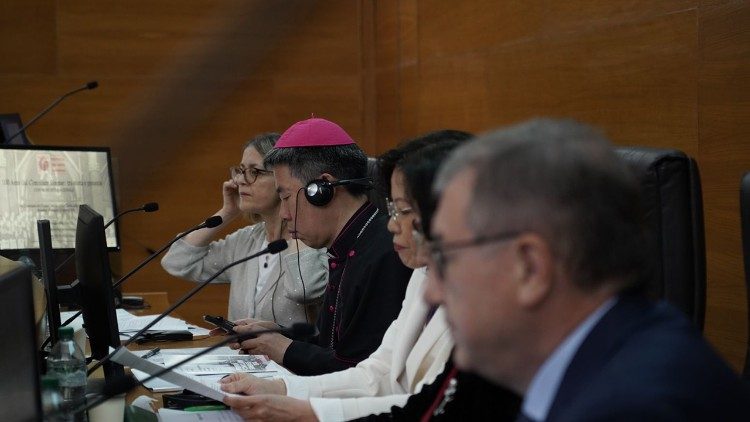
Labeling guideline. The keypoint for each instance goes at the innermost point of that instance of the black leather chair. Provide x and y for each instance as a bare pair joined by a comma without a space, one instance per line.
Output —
745,219
673,204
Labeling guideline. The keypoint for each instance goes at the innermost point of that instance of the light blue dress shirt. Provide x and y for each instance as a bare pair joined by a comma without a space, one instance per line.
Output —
543,388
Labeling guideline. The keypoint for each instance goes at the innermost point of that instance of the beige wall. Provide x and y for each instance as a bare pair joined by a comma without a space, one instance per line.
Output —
185,83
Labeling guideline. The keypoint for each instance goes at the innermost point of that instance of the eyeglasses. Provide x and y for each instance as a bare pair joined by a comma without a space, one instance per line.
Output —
249,175
394,212
438,249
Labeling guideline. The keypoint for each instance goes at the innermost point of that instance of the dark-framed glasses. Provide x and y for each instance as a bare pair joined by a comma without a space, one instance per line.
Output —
439,250
249,175
394,212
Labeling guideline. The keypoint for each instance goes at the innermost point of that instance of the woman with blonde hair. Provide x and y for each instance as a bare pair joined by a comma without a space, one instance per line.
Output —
285,287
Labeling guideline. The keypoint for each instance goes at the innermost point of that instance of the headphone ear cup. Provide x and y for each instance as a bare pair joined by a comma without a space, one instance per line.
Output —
319,192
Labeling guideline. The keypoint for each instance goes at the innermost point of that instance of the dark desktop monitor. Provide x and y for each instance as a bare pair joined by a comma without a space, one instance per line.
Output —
48,183
47,258
10,125
97,296
19,370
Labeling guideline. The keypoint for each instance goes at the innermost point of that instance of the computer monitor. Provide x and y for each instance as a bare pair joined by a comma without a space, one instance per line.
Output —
47,258
97,297
48,183
19,388
10,124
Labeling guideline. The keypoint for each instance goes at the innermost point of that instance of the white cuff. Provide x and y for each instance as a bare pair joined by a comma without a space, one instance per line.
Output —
327,409
296,387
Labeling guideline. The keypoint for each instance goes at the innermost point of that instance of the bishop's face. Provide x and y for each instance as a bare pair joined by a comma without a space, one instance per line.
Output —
311,224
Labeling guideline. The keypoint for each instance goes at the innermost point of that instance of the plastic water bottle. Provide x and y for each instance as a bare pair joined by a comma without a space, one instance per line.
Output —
67,363
51,399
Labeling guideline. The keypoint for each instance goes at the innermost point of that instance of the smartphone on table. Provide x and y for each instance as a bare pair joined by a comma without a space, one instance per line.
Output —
224,324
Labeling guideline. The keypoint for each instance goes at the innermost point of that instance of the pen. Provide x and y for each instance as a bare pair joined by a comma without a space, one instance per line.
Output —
151,353
205,408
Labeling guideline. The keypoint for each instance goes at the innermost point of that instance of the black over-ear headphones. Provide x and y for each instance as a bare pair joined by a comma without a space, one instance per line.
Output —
319,192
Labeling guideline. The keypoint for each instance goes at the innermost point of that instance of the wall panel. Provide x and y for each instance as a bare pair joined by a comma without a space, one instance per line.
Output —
669,74
182,86
723,118
29,35
185,83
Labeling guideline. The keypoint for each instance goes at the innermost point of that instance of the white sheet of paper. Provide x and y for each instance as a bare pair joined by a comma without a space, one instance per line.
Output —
220,364
207,386
134,323
198,331
159,357
157,385
171,415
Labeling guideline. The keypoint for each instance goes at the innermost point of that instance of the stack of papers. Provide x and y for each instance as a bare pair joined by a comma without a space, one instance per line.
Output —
158,385
219,364
206,365
201,375
207,386
129,324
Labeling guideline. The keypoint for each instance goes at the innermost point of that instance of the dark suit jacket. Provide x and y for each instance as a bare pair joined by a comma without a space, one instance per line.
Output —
367,284
475,399
647,362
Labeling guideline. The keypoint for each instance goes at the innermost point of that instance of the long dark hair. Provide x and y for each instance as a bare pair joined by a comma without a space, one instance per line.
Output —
419,169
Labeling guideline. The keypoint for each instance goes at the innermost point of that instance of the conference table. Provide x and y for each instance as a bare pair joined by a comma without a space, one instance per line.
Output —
159,302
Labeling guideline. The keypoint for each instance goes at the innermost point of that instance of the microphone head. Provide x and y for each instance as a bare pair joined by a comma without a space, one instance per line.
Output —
151,207
302,330
277,246
92,85
214,221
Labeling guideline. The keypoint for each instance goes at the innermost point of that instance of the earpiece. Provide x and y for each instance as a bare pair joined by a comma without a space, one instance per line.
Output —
319,192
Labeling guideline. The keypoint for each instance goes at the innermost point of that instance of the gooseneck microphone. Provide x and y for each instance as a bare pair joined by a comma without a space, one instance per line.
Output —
274,247
210,222
125,383
149,207
89,85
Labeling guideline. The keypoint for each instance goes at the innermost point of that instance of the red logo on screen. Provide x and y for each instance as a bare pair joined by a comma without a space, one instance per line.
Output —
42,162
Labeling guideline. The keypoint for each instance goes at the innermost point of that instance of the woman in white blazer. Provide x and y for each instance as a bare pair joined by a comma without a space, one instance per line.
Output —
269,288
416,345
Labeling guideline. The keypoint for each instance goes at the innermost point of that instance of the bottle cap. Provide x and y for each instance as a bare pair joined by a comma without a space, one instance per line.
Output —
49,381
65,333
